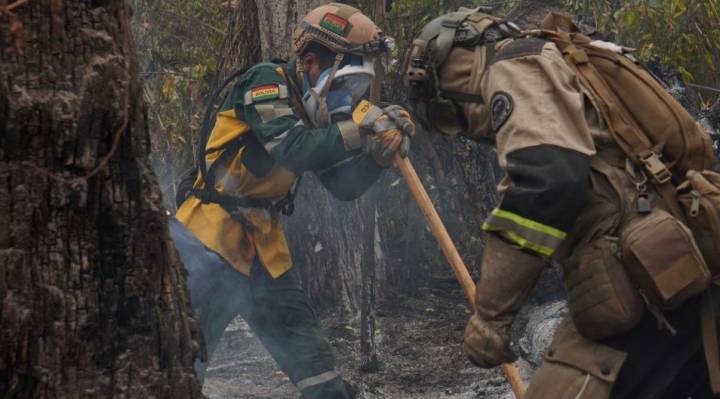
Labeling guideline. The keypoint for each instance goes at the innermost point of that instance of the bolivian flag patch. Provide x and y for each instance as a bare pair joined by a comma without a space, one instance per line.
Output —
265,92
334,24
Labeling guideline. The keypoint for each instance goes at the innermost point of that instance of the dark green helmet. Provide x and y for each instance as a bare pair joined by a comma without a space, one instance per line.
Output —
463,28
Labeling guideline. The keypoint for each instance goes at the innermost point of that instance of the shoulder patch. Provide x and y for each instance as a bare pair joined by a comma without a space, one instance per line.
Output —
520,48
266,91
501,106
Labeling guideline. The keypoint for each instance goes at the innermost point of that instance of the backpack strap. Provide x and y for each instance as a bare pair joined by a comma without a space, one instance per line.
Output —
632,141
446,38
444,41
460,96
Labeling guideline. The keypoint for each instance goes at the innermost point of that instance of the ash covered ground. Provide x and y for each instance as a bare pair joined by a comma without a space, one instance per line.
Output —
419,348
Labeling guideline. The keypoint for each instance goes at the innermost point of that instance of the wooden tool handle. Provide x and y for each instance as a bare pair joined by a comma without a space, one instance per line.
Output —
451,253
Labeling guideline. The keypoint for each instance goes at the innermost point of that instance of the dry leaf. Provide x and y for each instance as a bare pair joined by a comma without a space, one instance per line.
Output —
429,310
349,327
229,4
17,36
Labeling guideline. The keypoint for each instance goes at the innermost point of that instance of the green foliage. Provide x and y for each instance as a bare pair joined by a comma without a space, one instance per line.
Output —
681,33
178,43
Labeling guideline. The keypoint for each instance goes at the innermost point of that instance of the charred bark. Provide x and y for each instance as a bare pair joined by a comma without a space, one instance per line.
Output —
93,301
242,43
324,236
278,19
368,352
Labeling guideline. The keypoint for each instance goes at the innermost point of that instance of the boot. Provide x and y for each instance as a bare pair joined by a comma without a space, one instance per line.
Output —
507,275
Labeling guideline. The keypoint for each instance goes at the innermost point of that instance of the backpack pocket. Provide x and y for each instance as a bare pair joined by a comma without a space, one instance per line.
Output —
601,298
661,255
699,197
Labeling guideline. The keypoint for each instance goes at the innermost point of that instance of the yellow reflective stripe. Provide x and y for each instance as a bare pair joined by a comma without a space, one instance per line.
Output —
530,223
525,232
520,240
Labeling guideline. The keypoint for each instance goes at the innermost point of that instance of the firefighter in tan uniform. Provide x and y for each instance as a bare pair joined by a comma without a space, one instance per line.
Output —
565,198
277,122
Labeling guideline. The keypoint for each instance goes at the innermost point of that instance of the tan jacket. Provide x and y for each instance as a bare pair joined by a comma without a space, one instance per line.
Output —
556,198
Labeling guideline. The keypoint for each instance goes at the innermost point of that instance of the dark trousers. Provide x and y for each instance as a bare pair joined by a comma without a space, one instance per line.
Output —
277,310
660,365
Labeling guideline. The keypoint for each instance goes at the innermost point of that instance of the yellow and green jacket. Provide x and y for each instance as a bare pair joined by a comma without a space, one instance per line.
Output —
262,103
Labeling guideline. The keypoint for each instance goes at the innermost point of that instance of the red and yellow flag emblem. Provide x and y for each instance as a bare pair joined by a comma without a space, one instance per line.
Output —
265,92
334,24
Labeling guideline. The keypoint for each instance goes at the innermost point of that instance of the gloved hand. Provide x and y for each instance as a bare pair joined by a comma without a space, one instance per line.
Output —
507,275
384,145
372,118
392,130
487,343
404,122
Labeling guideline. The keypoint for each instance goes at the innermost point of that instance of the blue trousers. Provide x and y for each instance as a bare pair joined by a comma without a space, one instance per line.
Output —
276,309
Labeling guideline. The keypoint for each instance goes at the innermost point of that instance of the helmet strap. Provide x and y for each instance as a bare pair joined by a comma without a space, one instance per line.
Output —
322,112
338,59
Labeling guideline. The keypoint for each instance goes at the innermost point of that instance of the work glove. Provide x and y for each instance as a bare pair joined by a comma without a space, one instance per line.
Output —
404,122
388,138
507,275
487,343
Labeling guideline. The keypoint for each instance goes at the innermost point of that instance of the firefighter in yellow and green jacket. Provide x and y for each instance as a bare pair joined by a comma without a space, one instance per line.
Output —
277,122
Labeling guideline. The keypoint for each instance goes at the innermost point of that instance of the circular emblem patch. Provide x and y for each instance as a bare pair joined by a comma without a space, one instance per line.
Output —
501,106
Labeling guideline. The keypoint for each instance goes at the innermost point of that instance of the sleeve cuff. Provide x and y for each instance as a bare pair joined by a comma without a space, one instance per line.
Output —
350,133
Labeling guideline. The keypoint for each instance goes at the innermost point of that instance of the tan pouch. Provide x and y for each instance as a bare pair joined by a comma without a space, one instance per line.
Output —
699,196
575,367
661,255
601,298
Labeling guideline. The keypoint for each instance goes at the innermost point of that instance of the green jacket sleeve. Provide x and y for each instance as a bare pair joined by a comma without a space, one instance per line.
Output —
261,98
351,178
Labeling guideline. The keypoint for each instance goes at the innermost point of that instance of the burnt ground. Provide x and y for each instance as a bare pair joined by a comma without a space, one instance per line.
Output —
419,348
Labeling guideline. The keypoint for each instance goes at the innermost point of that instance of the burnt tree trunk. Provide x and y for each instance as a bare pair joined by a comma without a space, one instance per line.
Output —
278,19
242,42
368,350
93,301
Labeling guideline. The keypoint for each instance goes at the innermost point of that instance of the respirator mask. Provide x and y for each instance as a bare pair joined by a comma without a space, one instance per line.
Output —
334,97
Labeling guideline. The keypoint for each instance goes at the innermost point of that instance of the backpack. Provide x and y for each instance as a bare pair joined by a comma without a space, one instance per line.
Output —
659,136
647,122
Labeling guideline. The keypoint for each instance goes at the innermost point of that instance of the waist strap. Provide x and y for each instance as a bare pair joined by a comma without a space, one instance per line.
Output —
228,202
